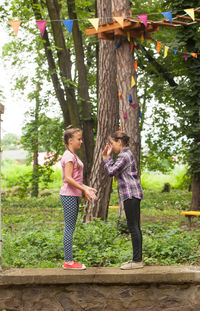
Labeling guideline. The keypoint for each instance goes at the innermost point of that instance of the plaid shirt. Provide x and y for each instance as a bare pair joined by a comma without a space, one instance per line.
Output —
125,171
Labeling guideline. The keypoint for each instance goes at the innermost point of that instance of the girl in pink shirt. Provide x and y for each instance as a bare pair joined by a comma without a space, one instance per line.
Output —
72,188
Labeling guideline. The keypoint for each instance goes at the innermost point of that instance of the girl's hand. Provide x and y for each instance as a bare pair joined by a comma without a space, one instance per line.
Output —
107,152
89,193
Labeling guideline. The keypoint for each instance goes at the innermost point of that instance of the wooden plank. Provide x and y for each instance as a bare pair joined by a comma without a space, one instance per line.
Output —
191,213
164,24
106,27
104,36
180,23
187,18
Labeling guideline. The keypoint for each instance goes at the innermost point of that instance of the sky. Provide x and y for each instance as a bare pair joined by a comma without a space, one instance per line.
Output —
13,117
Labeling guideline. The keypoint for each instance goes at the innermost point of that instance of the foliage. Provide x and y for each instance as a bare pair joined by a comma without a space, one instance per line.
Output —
10,141
33,229
174,84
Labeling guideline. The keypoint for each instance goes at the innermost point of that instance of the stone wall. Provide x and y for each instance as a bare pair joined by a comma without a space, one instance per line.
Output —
101,289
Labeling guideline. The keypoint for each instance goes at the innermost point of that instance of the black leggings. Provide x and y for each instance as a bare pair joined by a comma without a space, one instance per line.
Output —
132,211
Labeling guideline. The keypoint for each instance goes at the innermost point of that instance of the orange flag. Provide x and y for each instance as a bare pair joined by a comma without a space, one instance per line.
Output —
194,55
131,46
135,65
159,44
15,26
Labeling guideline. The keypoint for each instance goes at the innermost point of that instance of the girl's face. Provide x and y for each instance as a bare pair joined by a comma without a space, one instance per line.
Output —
76,141
116,145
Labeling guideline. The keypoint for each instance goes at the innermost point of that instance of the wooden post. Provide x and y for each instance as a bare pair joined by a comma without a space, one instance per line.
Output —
1,112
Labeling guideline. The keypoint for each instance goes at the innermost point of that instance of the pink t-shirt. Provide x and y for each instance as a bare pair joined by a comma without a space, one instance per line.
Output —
77,174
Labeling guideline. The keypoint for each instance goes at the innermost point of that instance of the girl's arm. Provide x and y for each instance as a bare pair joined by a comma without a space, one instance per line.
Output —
114,168
70,180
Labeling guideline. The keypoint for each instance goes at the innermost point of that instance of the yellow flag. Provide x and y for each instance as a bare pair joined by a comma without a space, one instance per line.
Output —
94,22
190,12
15,26
142,38
120,20
132,82
166,51
128,36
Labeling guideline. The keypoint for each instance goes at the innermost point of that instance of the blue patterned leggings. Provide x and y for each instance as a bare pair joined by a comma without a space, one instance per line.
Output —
70,211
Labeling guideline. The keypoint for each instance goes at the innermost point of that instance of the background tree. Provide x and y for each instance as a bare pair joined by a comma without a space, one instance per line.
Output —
10,141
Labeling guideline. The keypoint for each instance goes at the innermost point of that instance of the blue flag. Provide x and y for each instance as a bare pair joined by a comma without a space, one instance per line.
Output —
175,52
130,98
68,24
168,15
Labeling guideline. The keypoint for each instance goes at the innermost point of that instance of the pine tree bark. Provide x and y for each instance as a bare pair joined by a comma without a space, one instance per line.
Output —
107,119
125,72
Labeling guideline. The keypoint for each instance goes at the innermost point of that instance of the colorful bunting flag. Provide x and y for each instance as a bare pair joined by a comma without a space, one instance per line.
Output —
118,44
94,22
134,105
142,38
132,46
190,12
130,99
159,44
140,114
68,24
168,15
194,55
120,95
129,36
166,51
15,26
132,82
185,55
120,20
41,25
125,115
143,18
135,65
175,51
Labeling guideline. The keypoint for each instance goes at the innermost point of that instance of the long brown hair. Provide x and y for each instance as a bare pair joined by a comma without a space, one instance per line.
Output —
69,133
122,136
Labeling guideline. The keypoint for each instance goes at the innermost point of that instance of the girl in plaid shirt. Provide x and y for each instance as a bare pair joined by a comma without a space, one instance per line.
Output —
129,189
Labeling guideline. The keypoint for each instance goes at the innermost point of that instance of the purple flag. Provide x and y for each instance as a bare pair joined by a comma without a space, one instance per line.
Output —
185,55
143,18
41,25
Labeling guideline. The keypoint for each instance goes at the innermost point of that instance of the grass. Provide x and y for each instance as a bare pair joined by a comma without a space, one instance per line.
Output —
33,227
33,230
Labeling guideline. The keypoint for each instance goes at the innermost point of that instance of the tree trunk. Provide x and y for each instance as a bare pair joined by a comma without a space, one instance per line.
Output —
35,174
83,89
107,120
195,204
63,60
125,72
52,69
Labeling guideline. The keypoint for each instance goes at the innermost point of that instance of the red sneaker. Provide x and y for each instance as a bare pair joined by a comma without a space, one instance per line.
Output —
74,266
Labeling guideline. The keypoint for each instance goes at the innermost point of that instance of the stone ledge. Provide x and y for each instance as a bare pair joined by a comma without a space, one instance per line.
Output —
108,275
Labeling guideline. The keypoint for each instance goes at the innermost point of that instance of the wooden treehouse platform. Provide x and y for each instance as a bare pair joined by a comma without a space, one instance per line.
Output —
134,28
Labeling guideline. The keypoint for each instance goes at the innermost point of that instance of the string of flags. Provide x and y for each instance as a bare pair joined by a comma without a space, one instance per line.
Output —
95,21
